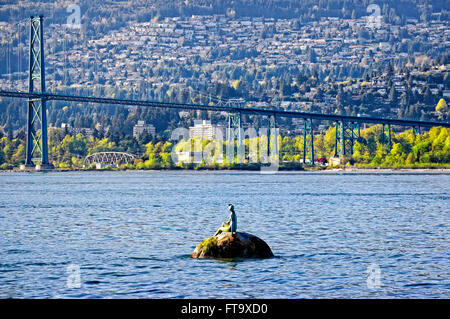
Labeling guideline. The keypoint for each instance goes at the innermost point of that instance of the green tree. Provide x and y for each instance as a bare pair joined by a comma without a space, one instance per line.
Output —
396,155
2,157
8,150
19,155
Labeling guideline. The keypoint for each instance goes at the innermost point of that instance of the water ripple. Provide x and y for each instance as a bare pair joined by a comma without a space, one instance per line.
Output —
130,235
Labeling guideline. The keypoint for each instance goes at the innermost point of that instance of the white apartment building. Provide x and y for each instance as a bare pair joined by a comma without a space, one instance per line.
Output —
141,127
206,130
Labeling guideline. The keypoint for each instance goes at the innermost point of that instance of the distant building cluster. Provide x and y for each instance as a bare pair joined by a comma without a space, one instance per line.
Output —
86,131
142,127
129,57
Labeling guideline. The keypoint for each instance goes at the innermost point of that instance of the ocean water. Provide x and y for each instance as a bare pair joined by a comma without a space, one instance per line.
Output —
130,234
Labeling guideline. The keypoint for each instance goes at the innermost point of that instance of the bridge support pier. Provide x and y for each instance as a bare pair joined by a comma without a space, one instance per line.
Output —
308,142
346,135
273,138
233,125
234,129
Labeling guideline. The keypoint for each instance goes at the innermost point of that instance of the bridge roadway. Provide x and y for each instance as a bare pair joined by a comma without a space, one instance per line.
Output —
230,109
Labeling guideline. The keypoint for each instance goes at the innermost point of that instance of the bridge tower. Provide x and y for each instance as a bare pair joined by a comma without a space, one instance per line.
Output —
37,142
346,135
308,142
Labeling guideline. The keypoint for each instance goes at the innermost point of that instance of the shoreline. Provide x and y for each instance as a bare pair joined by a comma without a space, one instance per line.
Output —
345,170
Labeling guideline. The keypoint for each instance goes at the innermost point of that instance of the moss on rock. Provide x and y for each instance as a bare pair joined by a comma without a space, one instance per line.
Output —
225,245
209,245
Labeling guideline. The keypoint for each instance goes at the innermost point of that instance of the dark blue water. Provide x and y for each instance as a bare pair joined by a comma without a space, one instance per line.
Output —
131,234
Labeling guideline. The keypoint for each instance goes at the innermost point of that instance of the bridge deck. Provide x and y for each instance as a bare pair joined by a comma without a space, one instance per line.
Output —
231,109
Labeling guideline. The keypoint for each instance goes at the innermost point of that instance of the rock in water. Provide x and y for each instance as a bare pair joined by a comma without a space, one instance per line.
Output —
226,246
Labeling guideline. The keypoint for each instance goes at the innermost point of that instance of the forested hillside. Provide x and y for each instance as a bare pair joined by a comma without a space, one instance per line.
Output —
385,59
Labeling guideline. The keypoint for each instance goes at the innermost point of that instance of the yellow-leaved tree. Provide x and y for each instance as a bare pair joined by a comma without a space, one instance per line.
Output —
442,109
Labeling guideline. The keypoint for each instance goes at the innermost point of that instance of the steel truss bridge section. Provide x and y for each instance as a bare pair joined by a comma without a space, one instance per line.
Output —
109,158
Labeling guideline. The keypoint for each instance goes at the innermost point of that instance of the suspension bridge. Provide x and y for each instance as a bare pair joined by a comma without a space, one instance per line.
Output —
347,127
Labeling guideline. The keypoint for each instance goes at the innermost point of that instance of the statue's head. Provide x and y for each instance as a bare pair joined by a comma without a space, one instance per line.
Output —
231,208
